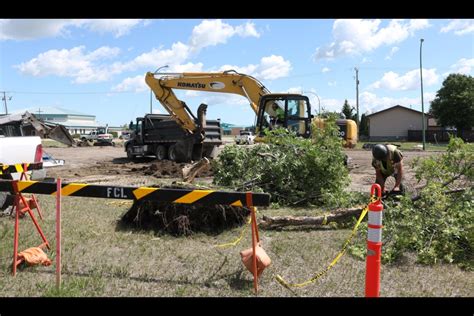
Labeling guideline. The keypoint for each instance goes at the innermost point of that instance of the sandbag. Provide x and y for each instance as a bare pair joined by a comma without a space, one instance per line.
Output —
34,256
263,260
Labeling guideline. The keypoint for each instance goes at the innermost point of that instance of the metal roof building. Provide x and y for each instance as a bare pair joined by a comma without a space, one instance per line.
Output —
76,122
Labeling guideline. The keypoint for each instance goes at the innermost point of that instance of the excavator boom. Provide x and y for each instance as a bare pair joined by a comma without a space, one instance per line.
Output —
223,82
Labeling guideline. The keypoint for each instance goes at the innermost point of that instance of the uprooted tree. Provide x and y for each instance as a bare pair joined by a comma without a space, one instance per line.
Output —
437,226
294,170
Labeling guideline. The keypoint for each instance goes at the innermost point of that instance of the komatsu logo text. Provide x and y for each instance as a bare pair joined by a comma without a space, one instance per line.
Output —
196,85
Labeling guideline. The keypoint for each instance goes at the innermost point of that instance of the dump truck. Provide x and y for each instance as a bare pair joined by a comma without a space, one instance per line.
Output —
159,135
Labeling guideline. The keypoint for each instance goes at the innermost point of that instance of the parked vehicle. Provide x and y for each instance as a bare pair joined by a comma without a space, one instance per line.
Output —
22,149
16,150
159,134
245,138
50,161
100,136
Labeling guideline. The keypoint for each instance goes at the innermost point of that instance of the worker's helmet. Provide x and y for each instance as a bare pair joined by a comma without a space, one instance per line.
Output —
380,151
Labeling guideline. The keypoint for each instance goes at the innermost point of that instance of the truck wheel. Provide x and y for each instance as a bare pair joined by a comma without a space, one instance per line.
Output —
130,154
172,153
161,152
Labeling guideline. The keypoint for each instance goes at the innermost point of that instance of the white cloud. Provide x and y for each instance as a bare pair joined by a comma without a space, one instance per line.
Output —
392,52
136,84
192,94
213,32
269,68
155,58
297,90
463,66
408,81
214,98
89,67
325,69
188,67
372,103
332,83
27,29
118,27
357,36
75,63
459,27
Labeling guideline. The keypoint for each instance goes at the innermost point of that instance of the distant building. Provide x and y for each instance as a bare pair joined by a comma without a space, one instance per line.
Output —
76,122
231,129
395,123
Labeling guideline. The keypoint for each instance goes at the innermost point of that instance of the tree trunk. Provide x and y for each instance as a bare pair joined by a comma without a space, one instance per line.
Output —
337,215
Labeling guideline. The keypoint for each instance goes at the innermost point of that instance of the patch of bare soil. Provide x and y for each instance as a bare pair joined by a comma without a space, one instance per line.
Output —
170,169
107,165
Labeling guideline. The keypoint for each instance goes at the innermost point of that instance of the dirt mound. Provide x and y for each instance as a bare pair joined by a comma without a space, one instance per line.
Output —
170,169
182,219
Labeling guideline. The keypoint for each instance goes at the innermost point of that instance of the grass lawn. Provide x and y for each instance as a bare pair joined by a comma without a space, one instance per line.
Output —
101,260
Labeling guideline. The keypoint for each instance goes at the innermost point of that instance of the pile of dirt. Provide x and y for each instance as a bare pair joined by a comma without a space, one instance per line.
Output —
182,219
170,169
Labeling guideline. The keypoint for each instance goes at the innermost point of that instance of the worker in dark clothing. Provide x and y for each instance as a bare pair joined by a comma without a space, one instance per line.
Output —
388,161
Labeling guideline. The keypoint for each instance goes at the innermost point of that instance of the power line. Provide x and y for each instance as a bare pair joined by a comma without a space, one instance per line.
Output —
95,92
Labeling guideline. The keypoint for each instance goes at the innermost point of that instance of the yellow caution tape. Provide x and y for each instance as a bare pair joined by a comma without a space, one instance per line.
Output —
325,220
236,242
336,259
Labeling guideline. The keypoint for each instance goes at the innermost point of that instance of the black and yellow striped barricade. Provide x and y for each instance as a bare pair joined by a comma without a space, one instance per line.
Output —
186,196
20,167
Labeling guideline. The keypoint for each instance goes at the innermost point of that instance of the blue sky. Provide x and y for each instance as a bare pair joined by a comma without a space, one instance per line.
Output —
98,66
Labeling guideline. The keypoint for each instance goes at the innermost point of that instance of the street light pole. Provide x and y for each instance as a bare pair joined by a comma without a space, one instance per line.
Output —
357,96
319,101
422,103
151,109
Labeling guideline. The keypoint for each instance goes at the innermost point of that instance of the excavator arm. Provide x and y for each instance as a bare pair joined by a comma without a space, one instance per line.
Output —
225,82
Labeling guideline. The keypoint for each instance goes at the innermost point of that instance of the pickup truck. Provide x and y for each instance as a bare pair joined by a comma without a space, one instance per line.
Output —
14,150
245,138
100,135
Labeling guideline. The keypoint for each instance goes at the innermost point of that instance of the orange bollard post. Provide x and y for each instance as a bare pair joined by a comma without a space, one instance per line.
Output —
255,239
58,234
374,245
15,236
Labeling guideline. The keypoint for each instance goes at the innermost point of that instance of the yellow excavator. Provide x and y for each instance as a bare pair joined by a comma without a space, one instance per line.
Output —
288,110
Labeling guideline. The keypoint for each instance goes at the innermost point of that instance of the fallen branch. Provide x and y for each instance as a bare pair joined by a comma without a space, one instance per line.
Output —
417,197
337,215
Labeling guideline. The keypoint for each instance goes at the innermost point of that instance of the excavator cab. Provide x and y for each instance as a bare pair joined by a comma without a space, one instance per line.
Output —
291,111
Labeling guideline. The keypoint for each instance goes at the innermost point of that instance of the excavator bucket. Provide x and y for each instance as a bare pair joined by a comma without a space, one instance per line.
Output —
188,149
60,133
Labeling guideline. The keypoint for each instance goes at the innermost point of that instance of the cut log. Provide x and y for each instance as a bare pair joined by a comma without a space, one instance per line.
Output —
190,172
337,215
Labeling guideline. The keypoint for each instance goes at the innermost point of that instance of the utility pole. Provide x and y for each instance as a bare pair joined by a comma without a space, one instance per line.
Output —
422,103
357,96
4,99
